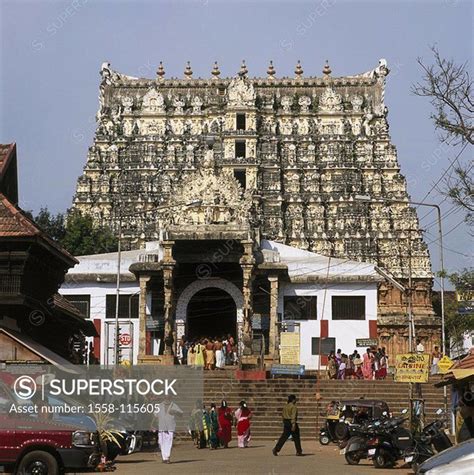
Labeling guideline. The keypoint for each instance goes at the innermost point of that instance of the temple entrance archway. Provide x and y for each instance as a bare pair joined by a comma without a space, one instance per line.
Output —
210,307
211,313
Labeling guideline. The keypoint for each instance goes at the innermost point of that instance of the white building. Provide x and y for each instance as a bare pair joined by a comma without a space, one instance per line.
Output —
343,292
318,296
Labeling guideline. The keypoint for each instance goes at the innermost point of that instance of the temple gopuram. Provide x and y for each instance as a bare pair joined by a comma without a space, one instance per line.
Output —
210,168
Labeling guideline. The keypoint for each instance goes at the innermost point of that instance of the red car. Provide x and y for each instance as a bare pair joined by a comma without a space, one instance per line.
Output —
29,445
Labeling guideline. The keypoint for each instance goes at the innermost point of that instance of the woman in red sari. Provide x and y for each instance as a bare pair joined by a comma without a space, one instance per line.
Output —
243,416
224,414
367,365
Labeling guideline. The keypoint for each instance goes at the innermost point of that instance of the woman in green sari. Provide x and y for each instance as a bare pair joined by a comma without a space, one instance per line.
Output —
213,427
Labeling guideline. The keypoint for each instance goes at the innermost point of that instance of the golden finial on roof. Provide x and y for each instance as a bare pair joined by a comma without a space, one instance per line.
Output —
215,70
271,70
298,70
161,71
327,69
188,72
243,69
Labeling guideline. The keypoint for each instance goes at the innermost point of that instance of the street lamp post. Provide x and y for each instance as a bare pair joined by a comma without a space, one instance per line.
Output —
366,199
119,261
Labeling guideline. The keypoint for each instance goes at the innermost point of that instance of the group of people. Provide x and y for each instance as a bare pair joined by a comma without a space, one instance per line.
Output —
209,353
373,364
212,428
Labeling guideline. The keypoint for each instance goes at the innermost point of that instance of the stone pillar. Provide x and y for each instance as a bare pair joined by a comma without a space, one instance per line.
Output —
247,263
273,331
168,288
143,280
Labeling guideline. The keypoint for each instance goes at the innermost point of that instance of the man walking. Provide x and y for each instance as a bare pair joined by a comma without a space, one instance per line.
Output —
290,427
167,426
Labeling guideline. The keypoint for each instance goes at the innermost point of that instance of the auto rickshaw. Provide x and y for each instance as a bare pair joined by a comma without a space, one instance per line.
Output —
341,414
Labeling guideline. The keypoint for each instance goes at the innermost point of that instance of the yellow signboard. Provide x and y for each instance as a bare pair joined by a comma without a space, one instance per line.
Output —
444,364
289,348
412,368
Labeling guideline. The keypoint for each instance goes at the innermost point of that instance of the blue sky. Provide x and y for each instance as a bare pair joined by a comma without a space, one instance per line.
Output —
51,54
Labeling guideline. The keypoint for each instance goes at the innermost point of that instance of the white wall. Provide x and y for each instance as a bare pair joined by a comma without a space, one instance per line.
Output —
98,292
345,331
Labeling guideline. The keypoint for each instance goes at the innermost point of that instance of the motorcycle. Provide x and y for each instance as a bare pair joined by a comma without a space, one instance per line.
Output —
361,442
395,442
432,440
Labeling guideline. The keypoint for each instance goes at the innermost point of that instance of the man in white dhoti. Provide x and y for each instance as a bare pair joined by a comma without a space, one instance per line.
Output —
166,427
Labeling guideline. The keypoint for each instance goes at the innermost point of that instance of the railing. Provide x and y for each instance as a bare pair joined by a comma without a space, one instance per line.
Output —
149,258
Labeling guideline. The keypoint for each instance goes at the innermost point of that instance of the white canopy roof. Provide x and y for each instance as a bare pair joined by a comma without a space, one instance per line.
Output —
305,265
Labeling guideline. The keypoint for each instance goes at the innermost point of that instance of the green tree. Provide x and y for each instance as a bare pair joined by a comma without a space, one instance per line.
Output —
463,281
458,318
52,225
82,237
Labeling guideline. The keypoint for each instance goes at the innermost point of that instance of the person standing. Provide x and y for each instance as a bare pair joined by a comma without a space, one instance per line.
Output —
220,358
381,372
419,347
350,371
332,366
182,353
213,427
341,371
199,354
368,365
209,355
243,416
435,357
196,427
290,427
232,349
167,426
191,355
358,366
224,414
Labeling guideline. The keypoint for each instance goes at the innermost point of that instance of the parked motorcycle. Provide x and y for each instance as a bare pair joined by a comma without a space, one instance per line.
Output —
432,440
395,442
363,439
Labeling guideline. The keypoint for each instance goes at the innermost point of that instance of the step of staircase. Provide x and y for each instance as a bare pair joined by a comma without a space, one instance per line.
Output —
266,398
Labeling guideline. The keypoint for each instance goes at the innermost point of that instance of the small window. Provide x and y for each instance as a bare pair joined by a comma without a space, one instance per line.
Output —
327,345
128,306
81,302
300,307
348,308
241,123
241,177
240,149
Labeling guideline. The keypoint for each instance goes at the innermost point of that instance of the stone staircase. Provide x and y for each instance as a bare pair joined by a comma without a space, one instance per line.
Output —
266,398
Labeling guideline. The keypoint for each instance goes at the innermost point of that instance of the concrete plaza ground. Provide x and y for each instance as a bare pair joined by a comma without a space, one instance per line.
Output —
257,459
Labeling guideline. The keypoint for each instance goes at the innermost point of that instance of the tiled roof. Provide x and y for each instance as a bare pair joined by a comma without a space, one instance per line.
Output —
65,305
467,362
14,223
6,152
